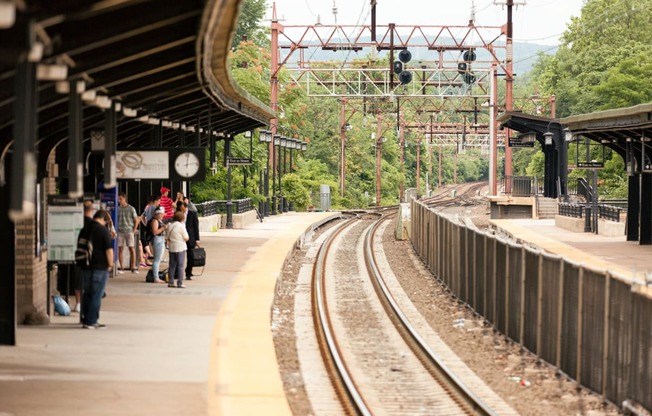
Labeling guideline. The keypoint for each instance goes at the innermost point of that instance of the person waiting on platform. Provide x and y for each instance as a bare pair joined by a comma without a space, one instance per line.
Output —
127,226
89,211
177,236
179,198
192,225
145,218
158,228
168,204
96,273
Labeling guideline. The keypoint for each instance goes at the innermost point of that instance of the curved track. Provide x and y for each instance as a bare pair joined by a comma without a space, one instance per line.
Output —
432,386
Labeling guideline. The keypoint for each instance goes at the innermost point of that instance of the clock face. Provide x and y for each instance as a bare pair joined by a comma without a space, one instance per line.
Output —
186,164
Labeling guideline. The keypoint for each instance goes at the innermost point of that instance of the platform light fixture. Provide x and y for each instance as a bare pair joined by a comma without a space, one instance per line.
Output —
63,87
51,72
547,138
102,101
35,53
129,112
265,136
7,14
89,95
568,135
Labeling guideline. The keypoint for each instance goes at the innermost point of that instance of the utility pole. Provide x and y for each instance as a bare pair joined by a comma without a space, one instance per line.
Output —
379,145
402,156
509,79
373,20
418,172
493,128
342,143
455,166
276,28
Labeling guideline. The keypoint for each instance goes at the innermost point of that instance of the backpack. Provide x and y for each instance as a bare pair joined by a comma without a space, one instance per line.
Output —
84,251
61,307
149,234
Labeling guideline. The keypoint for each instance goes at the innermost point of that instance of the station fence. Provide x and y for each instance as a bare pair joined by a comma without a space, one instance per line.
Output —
592,325
240,206
606,212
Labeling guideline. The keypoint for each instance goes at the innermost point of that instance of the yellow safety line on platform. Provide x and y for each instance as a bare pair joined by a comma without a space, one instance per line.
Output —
244,376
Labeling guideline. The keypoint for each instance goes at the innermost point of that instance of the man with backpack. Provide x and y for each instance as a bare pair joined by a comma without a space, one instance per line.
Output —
95,256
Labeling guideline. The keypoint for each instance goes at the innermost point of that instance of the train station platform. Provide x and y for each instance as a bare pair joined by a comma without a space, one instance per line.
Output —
203,350
628,259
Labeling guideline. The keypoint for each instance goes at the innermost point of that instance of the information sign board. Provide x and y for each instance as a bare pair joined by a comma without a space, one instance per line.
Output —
65,220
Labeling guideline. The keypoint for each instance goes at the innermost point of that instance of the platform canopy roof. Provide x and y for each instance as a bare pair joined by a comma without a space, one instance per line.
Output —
165,61
615,128
525,123
615,125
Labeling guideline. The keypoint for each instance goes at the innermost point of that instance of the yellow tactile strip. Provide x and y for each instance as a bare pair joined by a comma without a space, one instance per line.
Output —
243,375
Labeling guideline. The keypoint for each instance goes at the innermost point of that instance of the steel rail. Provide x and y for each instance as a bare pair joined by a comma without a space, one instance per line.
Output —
345,387
459,392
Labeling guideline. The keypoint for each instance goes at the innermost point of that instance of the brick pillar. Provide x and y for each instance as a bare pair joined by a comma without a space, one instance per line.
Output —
31,270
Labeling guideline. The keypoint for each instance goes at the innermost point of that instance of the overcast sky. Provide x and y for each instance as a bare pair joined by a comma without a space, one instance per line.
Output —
539,21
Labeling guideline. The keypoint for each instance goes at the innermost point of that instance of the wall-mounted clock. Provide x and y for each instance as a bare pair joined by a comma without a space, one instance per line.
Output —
186,165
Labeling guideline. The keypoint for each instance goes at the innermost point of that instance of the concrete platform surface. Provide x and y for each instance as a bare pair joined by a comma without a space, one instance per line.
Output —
159,354
626,258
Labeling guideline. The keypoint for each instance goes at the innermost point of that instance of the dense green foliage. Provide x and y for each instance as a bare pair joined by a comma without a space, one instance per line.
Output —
604,62
249,27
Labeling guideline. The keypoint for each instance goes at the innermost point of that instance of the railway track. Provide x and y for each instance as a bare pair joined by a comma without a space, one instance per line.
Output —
457,195
377,360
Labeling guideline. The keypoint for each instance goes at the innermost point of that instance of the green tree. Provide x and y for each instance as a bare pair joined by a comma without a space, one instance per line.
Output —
250,26
295,192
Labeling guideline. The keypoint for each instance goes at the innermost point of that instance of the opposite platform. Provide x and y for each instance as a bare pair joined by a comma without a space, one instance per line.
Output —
626,258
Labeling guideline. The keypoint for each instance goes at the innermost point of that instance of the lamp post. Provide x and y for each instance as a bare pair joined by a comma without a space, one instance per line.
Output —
229,203
266,137
294,144
282,205
277,142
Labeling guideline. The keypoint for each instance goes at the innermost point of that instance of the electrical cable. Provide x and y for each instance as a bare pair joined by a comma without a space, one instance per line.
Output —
309,9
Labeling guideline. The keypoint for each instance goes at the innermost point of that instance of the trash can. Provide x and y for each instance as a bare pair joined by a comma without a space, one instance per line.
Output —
522,186
325,197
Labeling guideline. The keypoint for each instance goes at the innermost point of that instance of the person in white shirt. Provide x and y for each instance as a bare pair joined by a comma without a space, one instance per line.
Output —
176,236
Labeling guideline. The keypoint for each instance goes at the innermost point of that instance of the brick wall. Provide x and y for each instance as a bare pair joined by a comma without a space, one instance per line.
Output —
31,270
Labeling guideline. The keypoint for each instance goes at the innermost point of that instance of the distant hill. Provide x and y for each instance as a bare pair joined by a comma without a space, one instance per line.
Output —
525,54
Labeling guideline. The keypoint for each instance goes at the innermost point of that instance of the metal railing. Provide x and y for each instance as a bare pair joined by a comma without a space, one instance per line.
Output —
571,210
240,206
609,212
521,186
580,187
605,211
591,324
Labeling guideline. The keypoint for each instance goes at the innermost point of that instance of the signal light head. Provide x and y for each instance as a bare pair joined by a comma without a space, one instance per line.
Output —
405,77
468,78
469,55
405,56
398,67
